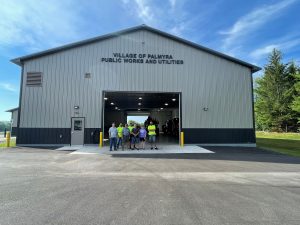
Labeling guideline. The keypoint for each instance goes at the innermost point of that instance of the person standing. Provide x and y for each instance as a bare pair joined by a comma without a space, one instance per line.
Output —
130,127
152,135
113,133
126,136
134,137
120,136
143,134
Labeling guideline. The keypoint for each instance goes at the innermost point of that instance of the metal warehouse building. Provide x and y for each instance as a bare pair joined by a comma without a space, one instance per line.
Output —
71,93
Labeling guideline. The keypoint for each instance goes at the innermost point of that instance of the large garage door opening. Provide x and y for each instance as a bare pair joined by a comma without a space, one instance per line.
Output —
163,109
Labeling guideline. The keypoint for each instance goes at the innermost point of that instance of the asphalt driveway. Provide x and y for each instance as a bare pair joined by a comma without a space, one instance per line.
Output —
232,186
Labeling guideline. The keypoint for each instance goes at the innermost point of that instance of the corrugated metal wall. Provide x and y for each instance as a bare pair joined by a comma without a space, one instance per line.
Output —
205,80
14,117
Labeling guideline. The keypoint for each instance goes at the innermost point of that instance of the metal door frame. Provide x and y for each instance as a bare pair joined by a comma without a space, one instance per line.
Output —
81,117
148,92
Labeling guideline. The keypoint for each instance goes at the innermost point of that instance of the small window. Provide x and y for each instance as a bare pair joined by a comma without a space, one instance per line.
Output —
77,125
87,75
34,79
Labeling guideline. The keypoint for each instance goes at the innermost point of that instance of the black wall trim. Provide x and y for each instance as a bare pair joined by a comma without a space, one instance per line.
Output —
44,136
91,135
218,135
14,131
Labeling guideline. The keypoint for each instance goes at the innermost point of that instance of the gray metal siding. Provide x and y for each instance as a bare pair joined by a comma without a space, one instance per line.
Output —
14,118
205,80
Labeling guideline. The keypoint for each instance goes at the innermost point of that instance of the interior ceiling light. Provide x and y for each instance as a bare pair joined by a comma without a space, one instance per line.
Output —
139,103
139,109
166,104
173,99
112,103
116,107
161,108
140,98
105,98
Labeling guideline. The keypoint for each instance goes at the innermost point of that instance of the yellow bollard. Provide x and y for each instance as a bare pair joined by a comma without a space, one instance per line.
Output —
7,139
181,139
101,140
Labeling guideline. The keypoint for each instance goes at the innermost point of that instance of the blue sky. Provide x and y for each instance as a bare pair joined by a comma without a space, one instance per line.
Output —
248,30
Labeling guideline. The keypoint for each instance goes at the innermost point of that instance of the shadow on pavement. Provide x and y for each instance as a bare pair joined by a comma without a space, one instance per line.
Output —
225,153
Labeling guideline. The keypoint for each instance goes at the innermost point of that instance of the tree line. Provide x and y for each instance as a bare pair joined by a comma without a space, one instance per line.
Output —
277,95
4,125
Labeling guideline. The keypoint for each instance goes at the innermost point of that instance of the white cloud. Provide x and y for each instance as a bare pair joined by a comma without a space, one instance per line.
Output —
178,29
8,87
37,24
172,4
169,15
260,52
144,11
283,46
253,21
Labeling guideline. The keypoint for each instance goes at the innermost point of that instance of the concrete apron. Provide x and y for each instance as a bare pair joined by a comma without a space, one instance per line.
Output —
164,149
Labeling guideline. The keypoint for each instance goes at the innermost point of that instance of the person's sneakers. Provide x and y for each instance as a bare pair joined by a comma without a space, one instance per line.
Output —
110,150
151,148
156,148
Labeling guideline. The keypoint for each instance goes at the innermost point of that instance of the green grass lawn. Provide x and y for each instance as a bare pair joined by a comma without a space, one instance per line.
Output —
12,143
286,143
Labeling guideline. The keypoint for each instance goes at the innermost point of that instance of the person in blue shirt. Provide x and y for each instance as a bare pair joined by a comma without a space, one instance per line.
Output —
143,134
113,134
126,136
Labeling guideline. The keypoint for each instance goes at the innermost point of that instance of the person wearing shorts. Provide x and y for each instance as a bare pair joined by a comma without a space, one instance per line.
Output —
143,134
126,136
152,135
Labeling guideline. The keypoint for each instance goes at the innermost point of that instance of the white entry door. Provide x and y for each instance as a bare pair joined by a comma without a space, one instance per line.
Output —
77,131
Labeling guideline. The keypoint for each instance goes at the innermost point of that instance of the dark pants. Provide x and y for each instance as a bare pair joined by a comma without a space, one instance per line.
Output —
120,142
113,142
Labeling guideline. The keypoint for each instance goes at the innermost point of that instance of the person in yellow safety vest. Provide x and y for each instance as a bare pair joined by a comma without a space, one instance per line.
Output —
152,135
130,127
120,136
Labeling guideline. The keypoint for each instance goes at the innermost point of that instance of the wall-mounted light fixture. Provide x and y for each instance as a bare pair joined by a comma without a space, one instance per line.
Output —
76,107
87,75
205,109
